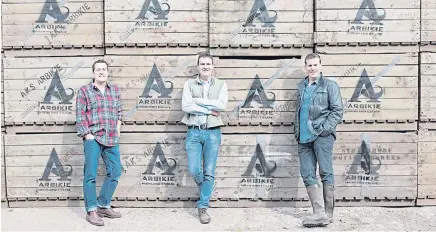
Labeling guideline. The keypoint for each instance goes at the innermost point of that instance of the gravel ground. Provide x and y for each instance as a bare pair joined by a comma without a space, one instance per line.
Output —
228,219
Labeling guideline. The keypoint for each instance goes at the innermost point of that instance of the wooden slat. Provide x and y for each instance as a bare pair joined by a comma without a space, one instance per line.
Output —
427,97
3,169
426,164
349,4
428,19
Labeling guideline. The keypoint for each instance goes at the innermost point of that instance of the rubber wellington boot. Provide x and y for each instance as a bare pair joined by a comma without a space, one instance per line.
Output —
329,200
319,217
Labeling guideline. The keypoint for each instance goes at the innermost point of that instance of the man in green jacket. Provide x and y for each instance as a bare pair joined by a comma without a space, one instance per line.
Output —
203,99
319,111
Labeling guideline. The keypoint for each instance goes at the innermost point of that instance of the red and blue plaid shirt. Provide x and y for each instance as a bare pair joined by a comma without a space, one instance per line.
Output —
98,114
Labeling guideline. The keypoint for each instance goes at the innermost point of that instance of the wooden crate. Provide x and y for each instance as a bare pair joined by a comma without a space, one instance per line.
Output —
243,77
246,27
27,81
48,24
375,87
427,97
155,167
426,167
156,27
340,21
428,22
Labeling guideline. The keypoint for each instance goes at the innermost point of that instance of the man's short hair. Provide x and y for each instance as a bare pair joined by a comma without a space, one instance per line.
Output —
99,61
202,55
312,56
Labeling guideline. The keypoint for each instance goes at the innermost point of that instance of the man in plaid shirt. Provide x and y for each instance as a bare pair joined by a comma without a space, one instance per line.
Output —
98,120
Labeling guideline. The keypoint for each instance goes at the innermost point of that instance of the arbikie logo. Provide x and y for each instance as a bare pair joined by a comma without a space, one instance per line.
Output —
155,83
55,167
368,9
52,19
260,12
63,103
364,87
263,176
156,9
369,175
167,176
263,109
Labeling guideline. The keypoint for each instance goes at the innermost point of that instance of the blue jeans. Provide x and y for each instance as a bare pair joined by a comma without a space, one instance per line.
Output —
321,151
202,147
111,157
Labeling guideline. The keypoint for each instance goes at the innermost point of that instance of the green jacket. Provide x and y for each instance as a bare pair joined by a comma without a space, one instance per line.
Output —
326,110
198,107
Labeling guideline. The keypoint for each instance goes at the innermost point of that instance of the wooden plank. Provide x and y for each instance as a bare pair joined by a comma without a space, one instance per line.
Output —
175,27
29,19
64,40
353,48
337,37
350,14
173,16
223,5
154,50
3,169
428,74
132,5
158,38
248,39
221,182
347,4
291,16
347,192
428,18
344,26
37,7
282,51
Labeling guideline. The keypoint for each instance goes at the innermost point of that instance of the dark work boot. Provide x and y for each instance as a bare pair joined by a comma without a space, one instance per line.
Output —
329,200
319,217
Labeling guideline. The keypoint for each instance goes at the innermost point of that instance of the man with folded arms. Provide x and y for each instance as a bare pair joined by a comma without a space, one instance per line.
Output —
203,98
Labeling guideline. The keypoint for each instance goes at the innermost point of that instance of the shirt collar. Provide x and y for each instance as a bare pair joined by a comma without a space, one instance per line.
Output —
306,80
108,85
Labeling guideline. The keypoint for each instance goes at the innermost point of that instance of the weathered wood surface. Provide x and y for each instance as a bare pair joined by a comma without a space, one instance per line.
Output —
281,22
377,101
27,81
428,83
393,163
3,169
428,20
31,23
426,165
167,22
341,21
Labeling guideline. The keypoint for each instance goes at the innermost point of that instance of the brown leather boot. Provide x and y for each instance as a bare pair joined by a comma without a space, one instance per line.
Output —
204,216
93,218
109,213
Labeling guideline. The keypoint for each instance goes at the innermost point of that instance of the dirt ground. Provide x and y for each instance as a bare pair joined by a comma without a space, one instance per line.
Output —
223,219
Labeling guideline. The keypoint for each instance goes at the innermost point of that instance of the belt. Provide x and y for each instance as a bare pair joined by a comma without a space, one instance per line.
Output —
203,127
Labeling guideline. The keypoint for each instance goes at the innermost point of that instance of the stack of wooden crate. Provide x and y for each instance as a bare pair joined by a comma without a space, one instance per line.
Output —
49,47
370,48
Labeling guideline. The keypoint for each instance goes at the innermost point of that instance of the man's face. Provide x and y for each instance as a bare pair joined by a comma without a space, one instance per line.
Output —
100,72
313,67
205,67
